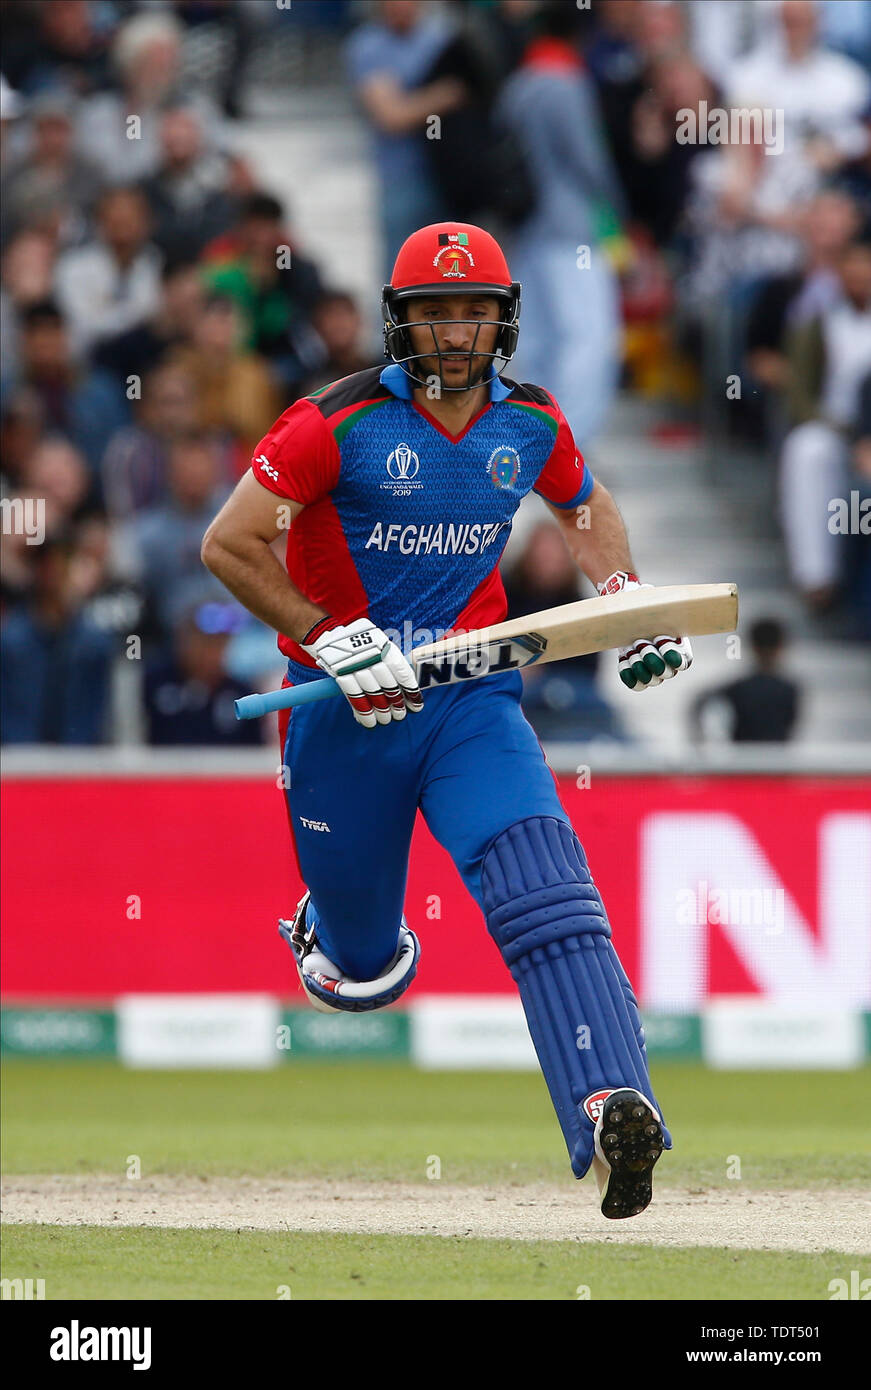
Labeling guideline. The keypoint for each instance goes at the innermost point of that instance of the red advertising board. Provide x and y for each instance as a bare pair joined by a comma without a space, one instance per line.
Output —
135,885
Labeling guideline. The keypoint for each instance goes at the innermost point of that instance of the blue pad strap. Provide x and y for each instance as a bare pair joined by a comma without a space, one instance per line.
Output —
546,915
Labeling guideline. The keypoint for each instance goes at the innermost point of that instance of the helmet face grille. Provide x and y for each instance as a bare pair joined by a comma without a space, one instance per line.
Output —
397,338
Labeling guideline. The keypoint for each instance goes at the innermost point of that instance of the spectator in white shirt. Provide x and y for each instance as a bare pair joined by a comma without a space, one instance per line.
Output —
113,283
120,130
822,94
829,360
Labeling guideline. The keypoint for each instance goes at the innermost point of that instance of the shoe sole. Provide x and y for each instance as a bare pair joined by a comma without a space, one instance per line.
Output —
632,1141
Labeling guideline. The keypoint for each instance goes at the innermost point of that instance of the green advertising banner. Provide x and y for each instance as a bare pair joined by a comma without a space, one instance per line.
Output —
307,1034
76,1032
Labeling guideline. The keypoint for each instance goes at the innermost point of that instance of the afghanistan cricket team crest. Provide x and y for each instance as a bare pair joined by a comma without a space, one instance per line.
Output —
503,466
453,257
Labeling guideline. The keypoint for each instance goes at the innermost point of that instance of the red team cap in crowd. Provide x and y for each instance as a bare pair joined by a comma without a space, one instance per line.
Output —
449,258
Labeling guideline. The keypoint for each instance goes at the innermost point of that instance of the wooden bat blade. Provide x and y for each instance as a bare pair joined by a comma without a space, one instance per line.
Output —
575,629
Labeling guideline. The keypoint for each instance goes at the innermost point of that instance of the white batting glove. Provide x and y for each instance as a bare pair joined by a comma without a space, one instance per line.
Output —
647,662
373,675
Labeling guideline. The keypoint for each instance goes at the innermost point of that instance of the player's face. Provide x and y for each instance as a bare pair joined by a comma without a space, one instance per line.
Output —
462,327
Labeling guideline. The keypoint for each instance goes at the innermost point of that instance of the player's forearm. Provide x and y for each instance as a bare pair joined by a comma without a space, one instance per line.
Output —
249,569
597,537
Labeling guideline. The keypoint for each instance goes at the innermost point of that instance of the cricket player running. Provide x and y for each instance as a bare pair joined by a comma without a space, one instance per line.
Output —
399,485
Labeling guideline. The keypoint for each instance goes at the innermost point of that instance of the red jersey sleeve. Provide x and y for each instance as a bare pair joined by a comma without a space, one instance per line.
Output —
299,457
565,481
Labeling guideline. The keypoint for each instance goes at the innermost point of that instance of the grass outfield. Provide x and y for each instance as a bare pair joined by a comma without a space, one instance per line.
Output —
85,1262
382,1122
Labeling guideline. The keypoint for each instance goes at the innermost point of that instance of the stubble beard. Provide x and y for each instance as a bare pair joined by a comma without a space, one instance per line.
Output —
456,382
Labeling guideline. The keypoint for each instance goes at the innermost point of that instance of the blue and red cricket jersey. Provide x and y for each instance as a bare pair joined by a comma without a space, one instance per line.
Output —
403,522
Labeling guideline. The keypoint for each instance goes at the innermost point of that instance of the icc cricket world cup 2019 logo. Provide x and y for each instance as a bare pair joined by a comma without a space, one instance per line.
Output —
403,466
403,463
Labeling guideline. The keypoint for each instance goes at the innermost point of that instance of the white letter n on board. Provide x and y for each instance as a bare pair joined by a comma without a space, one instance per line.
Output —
679,851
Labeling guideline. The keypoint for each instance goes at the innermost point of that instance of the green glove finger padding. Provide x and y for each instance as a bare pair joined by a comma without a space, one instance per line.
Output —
355,665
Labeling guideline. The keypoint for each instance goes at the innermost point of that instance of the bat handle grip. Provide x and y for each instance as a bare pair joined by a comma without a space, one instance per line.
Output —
253,706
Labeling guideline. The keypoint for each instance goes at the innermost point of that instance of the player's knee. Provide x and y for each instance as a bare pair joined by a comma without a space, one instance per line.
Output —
538,892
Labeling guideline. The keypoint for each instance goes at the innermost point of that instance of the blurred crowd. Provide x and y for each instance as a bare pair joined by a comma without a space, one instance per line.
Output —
156,317
157,312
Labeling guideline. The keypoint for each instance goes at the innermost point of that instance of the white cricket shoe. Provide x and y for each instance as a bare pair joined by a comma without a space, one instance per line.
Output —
628,1141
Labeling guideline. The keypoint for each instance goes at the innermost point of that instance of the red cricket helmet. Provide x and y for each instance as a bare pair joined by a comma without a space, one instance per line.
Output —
449,258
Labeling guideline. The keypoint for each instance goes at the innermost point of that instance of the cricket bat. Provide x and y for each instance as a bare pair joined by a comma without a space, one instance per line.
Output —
573,629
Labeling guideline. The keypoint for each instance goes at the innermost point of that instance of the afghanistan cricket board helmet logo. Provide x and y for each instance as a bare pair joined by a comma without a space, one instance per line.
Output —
503,466
453,260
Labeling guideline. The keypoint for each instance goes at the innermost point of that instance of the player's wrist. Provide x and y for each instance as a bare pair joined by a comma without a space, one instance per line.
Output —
618,581
326,623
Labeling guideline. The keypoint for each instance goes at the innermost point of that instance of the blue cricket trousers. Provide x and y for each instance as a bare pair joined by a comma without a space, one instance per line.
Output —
469,760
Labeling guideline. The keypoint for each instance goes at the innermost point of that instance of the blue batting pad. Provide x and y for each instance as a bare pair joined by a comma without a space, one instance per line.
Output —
546,915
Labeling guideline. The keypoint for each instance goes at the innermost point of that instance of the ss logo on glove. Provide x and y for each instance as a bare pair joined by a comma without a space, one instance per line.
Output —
372,673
